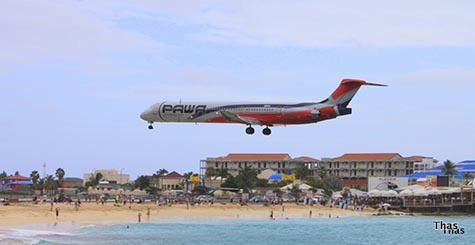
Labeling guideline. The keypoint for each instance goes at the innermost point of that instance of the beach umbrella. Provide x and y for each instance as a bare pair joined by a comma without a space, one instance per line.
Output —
406,193
434,192
275,177
374,193
420,193
389,193
304,187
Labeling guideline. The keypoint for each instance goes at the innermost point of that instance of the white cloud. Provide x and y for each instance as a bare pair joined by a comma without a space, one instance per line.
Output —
324,24
54,31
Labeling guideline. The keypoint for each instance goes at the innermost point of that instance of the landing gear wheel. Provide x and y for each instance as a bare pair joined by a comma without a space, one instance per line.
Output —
150,126
249,130
266,131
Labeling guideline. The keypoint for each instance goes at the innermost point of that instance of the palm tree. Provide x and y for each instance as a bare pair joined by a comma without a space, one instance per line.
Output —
60,175
49,183
160,173
449,169
246,179
35,176
302,171
223,173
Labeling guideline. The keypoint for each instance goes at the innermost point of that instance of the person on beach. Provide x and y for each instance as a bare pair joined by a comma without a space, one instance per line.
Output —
140,217
148,213
310,213
52,204
57,213
271,214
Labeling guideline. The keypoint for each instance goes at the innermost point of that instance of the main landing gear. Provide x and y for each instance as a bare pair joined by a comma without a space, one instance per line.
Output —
150,126
250,130
265,131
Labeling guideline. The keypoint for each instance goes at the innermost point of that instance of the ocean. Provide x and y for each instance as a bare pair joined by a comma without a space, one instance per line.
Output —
301,230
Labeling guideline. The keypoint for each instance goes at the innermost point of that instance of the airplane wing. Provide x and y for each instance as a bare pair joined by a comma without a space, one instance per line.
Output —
230,116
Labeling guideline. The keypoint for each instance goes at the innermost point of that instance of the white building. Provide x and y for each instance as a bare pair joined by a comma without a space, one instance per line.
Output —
111,175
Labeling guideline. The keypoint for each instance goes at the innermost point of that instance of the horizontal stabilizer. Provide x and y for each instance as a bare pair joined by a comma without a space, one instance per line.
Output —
375,84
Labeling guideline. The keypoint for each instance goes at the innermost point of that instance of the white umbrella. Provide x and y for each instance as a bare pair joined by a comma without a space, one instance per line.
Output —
389,193
434,191
420,193
304,187
374,193
406,193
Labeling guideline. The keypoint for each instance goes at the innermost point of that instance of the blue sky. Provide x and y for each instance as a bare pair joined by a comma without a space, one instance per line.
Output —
75,75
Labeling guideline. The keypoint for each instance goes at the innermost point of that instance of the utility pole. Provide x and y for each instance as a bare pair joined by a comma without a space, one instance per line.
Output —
44,178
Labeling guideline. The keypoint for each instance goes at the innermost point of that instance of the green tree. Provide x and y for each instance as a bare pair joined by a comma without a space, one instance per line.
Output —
160,173
449,169
322,172
16,173
295,191
230,182
49,183
222,173
188,175
246,179
94,180
35,177
60,175
142,182
210,172
262,183
302,171
98,177
3,175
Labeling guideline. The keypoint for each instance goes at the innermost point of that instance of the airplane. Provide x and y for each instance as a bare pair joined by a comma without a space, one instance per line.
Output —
262,114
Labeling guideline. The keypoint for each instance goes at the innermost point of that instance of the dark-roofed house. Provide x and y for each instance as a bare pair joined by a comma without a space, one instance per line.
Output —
355,168
171,181
72,182
278,162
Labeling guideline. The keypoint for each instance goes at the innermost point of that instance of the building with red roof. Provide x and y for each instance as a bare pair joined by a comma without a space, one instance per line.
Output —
278,162
354,169
171,181
15,182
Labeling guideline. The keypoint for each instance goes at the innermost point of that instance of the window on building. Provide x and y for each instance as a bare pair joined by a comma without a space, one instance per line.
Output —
265,165
278,165
216,164
239,165
389,165
354,165
283,165
259,165
372,166
330,165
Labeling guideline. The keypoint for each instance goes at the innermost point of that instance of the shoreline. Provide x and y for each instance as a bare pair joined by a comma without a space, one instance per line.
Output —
27,214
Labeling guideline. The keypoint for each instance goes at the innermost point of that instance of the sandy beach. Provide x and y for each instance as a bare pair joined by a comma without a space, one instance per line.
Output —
21,214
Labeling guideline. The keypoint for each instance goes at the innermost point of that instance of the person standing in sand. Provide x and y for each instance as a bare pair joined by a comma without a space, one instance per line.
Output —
57,213
140,217
148,213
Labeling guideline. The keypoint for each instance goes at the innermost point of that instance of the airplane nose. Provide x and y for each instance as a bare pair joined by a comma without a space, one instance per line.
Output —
146,115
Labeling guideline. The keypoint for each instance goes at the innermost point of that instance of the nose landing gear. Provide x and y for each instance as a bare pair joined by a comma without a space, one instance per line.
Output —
150,126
